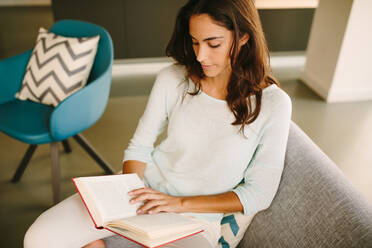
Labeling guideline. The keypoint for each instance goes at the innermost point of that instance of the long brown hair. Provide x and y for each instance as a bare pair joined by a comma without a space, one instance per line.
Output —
250,64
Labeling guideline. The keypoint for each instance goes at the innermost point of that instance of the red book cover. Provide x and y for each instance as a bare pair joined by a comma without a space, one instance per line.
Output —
95,224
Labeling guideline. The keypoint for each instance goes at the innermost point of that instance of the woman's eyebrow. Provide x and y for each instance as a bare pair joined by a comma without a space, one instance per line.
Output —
210,38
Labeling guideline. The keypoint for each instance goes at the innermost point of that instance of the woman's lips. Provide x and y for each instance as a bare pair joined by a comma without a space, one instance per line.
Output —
207,67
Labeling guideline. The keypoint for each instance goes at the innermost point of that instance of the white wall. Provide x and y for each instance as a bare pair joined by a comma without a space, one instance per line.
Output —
353,75
339,50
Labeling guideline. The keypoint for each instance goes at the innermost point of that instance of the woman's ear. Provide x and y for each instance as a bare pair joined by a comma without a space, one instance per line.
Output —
243,40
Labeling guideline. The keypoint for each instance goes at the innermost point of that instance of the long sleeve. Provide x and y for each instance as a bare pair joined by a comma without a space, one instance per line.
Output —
263,173
154,118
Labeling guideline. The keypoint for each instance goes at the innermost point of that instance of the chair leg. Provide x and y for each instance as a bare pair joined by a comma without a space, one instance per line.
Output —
66,146
56,173
22,166
91,151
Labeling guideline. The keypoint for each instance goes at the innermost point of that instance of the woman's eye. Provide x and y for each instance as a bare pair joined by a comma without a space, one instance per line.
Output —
214,46
195,43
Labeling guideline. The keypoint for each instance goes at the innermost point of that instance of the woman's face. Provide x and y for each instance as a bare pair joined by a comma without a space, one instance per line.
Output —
211,44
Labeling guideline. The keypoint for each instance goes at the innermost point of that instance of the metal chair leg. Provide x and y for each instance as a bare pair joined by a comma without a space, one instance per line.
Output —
66,146
22,166
56,173
92,152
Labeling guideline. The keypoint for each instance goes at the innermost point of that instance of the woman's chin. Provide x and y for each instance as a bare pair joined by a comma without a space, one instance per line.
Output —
210,73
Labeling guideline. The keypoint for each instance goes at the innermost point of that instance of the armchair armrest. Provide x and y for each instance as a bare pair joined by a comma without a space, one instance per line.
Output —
12,70
82,109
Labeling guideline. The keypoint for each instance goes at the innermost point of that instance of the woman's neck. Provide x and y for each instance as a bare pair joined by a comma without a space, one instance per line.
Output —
217,86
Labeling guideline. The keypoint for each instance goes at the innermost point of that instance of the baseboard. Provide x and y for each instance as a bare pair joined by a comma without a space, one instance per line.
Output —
314,83
12,3
334,95
350,95
124,67
288,59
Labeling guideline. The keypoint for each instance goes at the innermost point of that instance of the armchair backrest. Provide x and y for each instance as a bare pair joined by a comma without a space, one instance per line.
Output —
83,108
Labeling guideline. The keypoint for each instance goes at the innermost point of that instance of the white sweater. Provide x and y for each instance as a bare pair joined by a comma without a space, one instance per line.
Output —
203,153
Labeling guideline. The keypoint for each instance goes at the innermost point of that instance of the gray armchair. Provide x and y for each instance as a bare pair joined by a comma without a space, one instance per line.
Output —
316,206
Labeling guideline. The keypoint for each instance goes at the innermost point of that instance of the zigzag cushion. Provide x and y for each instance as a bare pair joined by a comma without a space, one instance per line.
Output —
58,67
233,227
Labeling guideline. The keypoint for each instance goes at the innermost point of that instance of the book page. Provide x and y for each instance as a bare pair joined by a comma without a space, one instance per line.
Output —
110,194
158,225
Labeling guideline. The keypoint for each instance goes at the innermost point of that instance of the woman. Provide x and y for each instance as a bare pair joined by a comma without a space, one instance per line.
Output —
228,124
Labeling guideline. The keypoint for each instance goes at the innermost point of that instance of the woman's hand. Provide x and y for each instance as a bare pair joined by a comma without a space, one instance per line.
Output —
155,201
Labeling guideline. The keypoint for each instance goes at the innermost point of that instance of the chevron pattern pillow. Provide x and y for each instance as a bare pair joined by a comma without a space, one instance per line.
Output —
58,67
233,227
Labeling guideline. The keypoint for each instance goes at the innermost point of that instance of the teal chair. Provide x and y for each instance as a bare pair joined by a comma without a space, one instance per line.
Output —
36,124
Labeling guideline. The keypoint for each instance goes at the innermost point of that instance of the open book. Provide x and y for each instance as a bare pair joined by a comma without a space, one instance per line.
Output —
107,201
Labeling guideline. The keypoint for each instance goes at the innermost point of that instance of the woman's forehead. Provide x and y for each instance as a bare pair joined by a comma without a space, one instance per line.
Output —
204,27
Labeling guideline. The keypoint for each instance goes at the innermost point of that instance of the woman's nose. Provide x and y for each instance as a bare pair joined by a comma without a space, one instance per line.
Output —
201,53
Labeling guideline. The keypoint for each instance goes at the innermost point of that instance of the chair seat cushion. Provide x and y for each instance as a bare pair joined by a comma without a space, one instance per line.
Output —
26,121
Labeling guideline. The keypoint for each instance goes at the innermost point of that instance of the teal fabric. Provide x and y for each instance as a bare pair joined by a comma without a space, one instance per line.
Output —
12,71
230,219
32,126
83,108
35,123
223,243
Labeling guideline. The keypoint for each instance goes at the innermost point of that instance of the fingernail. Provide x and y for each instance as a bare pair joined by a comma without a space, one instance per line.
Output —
139,211
150,212
131,201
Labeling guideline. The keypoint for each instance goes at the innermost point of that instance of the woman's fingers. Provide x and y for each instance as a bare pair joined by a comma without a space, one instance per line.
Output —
149,205
154,201
142,194
146,196
141,191
158,209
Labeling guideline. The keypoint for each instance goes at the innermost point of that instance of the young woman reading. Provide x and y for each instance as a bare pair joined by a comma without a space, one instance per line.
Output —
228,123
